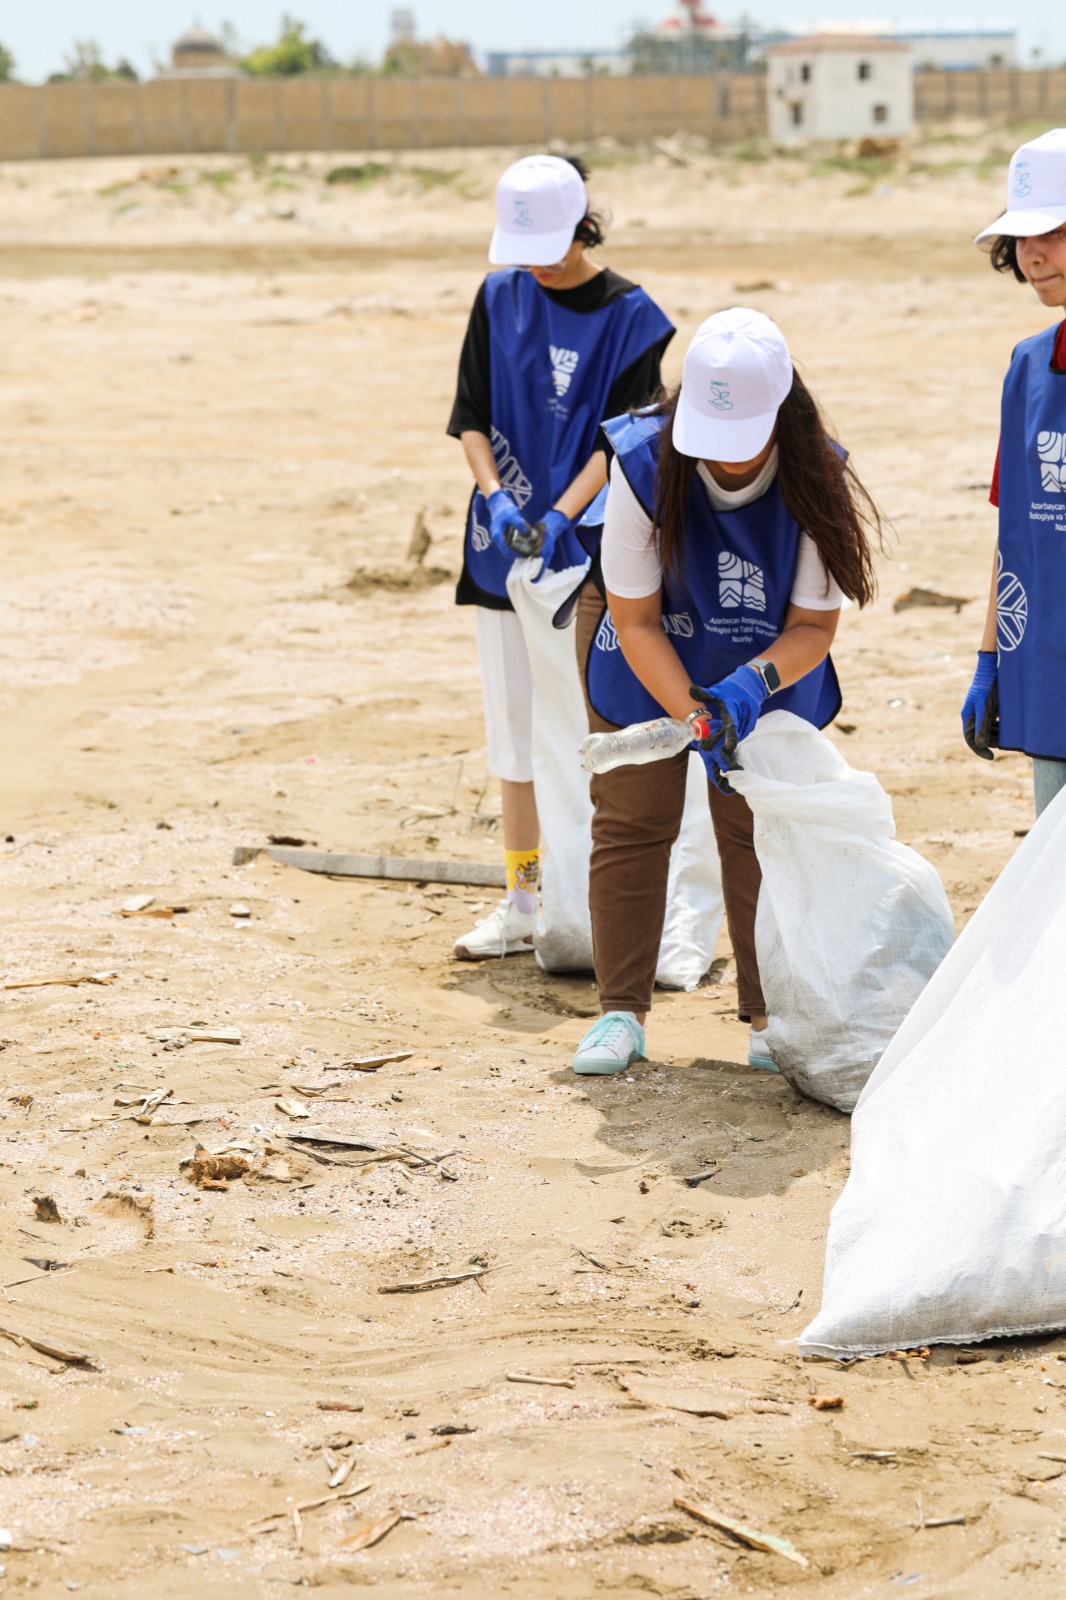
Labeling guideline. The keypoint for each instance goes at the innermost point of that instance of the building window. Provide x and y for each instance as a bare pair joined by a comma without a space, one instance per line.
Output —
880,113
865,70
797,114
805,72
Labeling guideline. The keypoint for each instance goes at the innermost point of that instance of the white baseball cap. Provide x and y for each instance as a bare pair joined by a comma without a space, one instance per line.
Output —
737,372
539,202
1036,189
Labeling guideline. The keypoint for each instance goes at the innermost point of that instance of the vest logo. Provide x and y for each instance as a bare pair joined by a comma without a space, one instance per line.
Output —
606,638
1051,448
1021,188
719,395
740,584
512,478
480,537
522,216
1012,611
564,365
679,623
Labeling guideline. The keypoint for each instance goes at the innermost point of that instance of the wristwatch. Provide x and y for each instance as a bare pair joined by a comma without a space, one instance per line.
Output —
768,673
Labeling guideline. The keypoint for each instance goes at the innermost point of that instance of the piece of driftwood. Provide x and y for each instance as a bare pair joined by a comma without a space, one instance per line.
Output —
752,1537
339,864
54,1352
443,1281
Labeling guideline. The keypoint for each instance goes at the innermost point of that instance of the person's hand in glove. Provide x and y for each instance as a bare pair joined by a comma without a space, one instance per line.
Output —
555,525
734,704
505,518
980,709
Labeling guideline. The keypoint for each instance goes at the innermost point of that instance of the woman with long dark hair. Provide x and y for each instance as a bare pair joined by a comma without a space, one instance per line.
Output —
733,531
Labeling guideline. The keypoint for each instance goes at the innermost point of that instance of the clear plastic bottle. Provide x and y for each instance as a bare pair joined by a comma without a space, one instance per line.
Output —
641,742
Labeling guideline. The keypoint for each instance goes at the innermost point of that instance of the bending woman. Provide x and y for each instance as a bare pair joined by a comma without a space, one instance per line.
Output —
732,532
555,344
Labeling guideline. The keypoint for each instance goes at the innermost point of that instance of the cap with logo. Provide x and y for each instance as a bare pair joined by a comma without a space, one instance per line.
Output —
737,372
1036,189
539,202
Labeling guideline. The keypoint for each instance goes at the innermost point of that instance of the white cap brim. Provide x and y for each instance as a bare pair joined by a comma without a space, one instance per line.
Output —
719,439
1024,224
514,249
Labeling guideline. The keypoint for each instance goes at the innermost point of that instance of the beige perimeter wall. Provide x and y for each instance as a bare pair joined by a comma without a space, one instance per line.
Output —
197,117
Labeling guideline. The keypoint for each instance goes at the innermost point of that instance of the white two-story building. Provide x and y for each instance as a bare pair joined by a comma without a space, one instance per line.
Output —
839,86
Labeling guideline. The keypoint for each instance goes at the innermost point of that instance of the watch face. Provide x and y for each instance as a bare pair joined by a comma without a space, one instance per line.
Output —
772,677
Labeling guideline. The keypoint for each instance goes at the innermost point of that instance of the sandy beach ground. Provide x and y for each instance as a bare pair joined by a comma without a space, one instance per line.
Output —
225,387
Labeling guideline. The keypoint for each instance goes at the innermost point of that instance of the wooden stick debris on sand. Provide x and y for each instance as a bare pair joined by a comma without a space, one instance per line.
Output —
531,1377
264,1524
72,1358
740,1530
372,1063
371,1533
70,983
338,864
443,1281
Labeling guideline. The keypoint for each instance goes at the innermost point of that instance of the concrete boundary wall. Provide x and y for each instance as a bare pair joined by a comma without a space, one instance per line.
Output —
245,115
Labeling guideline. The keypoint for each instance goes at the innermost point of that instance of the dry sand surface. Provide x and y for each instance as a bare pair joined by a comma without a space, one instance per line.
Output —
224,397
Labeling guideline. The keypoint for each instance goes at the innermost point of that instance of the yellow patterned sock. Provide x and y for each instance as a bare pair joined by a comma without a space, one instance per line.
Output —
523,876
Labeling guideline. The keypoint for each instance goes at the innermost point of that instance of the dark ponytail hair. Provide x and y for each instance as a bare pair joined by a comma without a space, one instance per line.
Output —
1004,255
591,230
819,490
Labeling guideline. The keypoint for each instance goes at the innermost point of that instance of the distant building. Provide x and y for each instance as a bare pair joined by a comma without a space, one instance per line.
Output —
557,63
198,54
967,50
688,39
839,86
948,49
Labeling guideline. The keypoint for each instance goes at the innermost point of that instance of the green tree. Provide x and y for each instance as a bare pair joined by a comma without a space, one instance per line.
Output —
7,65
293,53
84,63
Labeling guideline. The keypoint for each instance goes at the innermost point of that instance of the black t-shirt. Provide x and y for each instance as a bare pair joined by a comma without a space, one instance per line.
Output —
473,393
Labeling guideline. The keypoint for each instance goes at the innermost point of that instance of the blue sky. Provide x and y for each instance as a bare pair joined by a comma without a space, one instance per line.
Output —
40,34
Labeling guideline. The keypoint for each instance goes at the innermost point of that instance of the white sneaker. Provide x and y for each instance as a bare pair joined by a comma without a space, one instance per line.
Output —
507,932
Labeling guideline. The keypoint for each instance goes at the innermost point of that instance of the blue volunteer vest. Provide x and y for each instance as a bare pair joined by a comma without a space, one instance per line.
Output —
551,372
728,606
1032,553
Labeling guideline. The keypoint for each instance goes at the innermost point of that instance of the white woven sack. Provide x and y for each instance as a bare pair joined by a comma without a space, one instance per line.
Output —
952,1225
850,926
563,937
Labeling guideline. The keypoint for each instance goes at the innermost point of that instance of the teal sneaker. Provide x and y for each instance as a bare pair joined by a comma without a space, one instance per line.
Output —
758,1051
610,1045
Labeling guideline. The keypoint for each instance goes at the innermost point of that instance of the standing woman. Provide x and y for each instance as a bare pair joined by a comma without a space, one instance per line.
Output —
555,343
1016,699
732,532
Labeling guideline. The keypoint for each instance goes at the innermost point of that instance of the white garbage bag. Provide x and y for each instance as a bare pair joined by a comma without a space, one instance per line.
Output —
563,937
952,1225
850,924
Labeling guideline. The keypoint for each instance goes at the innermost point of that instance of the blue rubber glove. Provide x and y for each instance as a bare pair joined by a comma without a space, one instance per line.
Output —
734,704
980,709
555,524
504,517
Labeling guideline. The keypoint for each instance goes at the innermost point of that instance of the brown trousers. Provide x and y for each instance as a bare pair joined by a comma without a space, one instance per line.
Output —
637,817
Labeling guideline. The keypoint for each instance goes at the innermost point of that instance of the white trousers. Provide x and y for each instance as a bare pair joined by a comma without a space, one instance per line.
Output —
507,691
